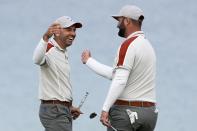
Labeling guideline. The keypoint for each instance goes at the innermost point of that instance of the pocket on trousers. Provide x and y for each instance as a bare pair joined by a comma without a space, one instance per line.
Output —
117,114
47,111
64,113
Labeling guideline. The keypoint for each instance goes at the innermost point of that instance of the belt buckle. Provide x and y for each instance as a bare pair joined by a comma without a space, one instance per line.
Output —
142,104
53,101
130,103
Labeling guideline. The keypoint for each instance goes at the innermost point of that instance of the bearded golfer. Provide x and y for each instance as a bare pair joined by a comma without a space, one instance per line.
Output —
131,102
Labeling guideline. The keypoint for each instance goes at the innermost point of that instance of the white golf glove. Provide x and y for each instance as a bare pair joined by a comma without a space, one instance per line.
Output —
132,115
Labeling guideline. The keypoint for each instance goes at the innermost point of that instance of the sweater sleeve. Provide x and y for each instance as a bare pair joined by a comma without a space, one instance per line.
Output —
39,53
117,86
99,68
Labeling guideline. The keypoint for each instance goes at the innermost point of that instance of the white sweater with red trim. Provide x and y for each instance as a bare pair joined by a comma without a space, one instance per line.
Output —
134,72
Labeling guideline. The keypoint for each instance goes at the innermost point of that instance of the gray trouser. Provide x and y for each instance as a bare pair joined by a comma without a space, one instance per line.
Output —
55,117
147,117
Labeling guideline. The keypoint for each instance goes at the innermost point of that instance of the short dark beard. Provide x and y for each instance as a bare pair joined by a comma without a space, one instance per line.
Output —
122,29
121,32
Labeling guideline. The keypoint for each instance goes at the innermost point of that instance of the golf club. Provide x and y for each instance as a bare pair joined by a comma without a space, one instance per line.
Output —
93,115
81,103
83,100
114,128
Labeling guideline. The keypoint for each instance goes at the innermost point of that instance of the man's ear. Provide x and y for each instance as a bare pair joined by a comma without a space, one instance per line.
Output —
127,21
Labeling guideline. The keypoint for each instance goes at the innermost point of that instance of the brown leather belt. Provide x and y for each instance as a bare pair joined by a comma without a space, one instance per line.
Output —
65,103
135,103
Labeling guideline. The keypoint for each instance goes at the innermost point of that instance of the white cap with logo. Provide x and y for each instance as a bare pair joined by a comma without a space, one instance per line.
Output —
129,11
66,21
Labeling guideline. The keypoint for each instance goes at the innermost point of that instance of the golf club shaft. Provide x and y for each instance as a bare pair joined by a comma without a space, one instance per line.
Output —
83,100
114,128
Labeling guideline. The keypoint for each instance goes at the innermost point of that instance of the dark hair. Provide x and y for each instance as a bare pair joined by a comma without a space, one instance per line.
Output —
141,18
139,21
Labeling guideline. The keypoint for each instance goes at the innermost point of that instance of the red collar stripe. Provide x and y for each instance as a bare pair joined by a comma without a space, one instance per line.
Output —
49,46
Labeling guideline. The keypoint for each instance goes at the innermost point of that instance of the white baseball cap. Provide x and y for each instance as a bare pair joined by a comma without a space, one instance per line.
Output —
66,21
129,11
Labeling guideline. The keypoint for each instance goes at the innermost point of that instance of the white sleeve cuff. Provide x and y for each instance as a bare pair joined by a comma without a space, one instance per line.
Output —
99,68
117,86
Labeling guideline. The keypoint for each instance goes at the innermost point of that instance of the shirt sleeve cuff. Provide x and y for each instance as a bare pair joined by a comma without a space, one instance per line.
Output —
105,108
89,61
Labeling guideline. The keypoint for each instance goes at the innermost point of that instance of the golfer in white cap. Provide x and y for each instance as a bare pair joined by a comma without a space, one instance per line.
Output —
55,90
130,104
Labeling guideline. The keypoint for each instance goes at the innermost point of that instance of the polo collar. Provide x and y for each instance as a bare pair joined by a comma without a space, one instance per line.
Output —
137,33
56,45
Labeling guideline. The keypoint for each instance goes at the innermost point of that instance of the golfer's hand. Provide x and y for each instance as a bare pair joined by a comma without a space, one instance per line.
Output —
85,56
105,118
54,29
75,112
